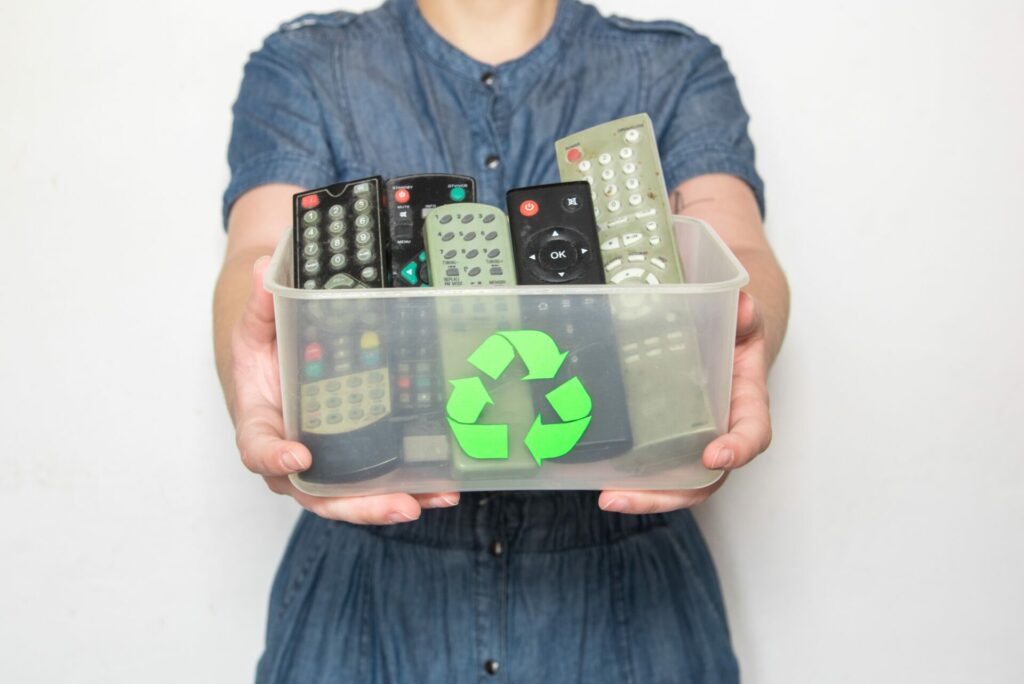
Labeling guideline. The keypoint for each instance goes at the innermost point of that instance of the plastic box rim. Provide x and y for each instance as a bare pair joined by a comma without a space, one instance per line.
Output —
740,279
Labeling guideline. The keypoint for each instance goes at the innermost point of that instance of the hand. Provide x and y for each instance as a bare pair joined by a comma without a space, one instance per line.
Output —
259,427
750,428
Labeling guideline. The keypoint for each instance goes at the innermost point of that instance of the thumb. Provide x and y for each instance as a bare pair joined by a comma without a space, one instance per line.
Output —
257,322
748,317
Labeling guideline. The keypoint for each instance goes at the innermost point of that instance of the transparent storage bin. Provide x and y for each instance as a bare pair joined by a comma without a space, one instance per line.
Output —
530,387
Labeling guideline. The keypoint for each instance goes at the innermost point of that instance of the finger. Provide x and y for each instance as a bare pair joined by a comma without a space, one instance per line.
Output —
750,430
380,509
441,500
644,502
256,325
258,435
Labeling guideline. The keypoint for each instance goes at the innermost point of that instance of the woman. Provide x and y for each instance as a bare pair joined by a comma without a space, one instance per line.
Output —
587,586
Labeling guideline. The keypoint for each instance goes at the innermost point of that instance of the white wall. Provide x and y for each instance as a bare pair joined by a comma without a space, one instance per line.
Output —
880,538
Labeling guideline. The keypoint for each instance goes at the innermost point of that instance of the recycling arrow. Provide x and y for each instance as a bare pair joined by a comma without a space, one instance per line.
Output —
538,351
555,439
493,356
468,399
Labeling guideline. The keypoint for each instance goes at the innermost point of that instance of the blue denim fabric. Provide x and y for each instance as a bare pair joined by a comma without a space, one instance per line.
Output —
572,594
575,594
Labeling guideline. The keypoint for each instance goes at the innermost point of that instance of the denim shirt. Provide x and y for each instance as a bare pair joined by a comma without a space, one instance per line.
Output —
340,96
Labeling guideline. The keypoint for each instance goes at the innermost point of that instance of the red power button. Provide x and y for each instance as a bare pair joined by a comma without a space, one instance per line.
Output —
401,195
573,155
529,208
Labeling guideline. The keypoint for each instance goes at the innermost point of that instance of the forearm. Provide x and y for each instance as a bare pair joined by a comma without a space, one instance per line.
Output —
728,205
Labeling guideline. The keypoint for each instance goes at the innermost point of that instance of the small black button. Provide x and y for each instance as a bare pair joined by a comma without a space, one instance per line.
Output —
491,667
487,78
496,548
571,202
493,162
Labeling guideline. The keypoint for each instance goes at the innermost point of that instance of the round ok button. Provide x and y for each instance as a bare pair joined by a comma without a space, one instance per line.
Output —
558,254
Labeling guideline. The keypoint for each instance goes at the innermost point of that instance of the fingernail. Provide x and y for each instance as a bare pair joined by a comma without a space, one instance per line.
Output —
291,461
723,459
616,505
399,517
443,502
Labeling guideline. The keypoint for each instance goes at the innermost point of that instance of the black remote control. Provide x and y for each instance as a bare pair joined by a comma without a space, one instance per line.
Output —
409,198
555,238
555,235
338,238
345,388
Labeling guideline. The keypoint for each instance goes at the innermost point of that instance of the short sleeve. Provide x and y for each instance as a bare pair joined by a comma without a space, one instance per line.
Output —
706,131
278,134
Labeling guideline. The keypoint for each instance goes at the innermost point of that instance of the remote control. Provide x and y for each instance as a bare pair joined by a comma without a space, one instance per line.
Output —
469,245
409,199
338,238
554,234
345,387
620,161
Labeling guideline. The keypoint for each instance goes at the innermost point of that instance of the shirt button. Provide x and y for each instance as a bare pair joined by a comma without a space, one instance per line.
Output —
488,78
493,161
491,667
496,549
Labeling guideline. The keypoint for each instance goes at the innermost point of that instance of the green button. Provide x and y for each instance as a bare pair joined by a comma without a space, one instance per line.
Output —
314,369
409,273
458,194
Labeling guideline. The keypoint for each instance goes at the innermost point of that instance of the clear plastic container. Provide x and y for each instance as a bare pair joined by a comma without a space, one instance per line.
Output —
563,387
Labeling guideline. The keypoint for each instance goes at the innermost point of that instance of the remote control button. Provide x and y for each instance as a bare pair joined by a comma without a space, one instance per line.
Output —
614,205
356,414
311,233
336,244
376,377
611,189
632,183
608,174
652,279
448,237
475,271
377,410
404,382
467,218
633,258
604,159
333,386
571,203
659,262
333,402
627,274
472,254
635,199
364,255
558,255
313,352
363,238
310,391
369,273
402,196
336,211
311,267
621,221
445,218
376,393
469,236
450,254
491,235
312,406
355,398
452,272
336,227
361,189
655,240
457,194
632,135
309,285
645,213
310,201
363,221
362,204
629,168
496,271
493,254
651,225
626,152
334,418
312,423
408,273
311,250
631,238
529,208
611,243
488,218
573,155
584,166
339,281
311,216
589,179
314,369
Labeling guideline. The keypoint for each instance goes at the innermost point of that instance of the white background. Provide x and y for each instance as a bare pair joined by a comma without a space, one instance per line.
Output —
880,539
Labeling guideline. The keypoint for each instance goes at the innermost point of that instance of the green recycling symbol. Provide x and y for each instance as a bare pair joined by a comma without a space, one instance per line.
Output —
542,359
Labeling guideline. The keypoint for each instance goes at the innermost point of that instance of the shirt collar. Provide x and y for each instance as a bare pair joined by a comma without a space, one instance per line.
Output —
424,38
